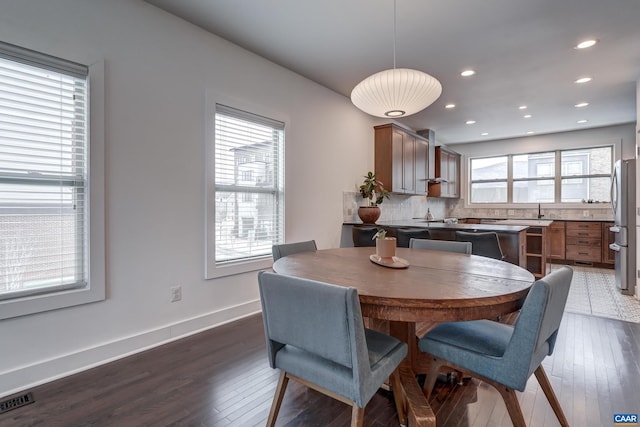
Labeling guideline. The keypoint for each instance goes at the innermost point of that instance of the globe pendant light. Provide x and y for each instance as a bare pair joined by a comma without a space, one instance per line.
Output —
399,92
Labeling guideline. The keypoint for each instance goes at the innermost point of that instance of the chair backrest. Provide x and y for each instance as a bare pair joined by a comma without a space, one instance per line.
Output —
363,236
483,244
404,235
535,332
321,319
293,248
441,245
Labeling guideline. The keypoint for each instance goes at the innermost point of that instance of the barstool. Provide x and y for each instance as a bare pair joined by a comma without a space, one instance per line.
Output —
483,244
363,236
404,235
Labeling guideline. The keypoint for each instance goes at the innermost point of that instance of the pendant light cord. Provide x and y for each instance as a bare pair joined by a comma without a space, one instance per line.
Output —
394,34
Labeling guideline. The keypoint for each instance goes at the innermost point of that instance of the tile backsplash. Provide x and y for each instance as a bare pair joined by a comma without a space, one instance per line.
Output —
397,207
600,211
400,207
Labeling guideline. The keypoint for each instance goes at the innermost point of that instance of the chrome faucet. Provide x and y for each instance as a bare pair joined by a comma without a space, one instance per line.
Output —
539,212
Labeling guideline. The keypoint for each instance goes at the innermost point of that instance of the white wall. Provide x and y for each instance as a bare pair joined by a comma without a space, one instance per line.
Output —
157,70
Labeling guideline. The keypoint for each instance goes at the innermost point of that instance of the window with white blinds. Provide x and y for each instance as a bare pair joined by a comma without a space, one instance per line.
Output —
248,185
43,173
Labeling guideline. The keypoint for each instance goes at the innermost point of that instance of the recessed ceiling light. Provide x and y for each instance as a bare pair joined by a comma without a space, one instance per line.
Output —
450,106
522,107
585,44
530,132
484,133
582,104
470,122
583,80
527,116
583,121
467,73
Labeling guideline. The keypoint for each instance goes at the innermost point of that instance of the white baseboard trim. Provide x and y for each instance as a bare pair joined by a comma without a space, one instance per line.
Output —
25,377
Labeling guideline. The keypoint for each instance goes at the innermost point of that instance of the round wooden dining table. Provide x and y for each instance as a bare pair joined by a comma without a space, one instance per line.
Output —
436,286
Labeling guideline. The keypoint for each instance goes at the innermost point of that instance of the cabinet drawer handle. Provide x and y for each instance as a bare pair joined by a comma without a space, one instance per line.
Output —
583,234
583,242
583,253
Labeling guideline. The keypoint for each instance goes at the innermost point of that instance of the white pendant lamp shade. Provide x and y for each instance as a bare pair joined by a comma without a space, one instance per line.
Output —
398,92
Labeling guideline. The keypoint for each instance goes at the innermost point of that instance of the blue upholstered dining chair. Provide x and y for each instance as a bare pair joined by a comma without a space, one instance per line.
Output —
293,248
404,235
315,335
441,245
502,355
484,244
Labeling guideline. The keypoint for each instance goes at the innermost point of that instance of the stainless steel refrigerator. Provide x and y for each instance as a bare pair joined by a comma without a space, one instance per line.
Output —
623,194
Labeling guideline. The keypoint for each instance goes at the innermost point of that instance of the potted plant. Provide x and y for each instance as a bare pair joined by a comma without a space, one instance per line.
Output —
385,246
374,193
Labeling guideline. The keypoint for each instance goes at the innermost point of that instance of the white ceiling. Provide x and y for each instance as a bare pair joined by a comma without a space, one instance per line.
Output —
522,51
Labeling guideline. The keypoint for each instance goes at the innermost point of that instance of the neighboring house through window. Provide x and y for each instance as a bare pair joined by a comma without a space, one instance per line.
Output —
563,176
246,216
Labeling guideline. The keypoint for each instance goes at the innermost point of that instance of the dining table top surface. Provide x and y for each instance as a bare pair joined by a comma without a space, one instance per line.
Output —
458,286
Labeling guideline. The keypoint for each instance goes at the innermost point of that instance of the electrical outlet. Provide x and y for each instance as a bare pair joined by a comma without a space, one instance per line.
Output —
585,214
176,293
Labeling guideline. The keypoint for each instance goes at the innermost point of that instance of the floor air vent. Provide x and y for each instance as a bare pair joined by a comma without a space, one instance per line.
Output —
15,402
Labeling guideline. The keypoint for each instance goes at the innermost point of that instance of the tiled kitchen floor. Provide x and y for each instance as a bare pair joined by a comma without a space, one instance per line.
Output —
593,292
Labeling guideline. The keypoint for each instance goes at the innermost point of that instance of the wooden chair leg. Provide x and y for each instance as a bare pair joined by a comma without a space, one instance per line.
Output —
357,416
398,397
277,399
432,376
551,396
513,406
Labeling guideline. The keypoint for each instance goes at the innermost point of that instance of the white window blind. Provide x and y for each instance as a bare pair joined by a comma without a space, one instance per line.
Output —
43,173
248,185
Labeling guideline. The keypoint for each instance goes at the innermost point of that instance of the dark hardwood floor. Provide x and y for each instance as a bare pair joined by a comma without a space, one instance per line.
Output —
221,377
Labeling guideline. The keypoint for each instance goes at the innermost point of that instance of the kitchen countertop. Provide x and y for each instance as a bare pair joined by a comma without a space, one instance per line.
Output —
417,223
494,220
527,222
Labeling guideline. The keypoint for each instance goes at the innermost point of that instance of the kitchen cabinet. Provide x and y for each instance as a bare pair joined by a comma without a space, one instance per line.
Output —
556,241
401,159
535,247
584,241
422,166
447,164
608,237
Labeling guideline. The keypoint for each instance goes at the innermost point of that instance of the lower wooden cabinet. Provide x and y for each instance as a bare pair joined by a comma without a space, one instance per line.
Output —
555,241
580,241
608,237
536,257
583,241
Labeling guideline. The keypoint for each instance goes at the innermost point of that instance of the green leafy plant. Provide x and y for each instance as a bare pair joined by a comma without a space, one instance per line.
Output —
381,234
372,190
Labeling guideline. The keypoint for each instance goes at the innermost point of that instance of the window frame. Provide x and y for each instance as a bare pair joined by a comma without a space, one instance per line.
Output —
94,232
212,269
557,179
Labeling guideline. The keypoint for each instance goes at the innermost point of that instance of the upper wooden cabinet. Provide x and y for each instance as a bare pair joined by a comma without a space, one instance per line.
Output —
401,159
448,170
422,166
